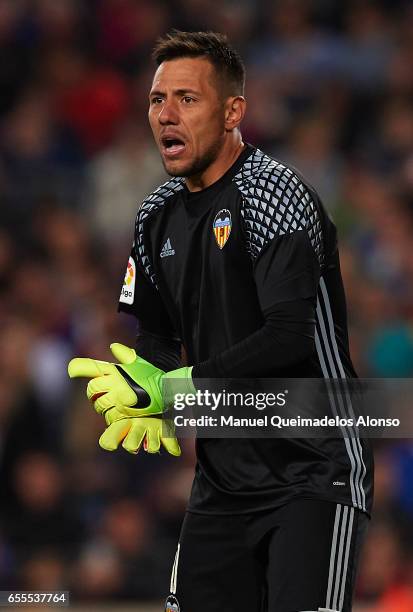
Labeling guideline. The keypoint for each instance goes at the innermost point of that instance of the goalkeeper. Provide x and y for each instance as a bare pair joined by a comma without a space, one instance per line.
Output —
236,259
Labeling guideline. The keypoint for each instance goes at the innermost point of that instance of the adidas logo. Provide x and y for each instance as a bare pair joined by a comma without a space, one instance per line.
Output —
167,249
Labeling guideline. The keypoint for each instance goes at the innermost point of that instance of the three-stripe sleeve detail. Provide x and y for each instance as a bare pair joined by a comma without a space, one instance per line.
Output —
339,557
332,368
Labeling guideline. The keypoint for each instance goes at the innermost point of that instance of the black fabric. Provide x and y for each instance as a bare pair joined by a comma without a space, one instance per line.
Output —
273,561
164,353
287,270
238,273
286,339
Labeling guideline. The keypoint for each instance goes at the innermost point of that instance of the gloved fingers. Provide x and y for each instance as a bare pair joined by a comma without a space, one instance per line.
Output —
133,441
113,415
88,368
172,446
99,385
114,434
153,438
169,440
114,388
123,354
137,432
104,403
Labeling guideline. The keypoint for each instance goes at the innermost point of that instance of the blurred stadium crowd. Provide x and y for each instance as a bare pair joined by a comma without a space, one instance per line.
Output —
330,90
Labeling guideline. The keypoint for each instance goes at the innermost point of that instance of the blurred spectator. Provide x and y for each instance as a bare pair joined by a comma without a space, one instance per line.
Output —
37,158
89,98
127,29
390,352
97,575
380,572
43,571
312,150
120,178
38,517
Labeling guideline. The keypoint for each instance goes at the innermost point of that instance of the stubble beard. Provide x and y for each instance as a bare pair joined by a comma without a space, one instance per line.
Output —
198,165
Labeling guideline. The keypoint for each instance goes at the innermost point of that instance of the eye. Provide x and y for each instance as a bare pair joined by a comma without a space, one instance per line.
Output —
156,100
188,99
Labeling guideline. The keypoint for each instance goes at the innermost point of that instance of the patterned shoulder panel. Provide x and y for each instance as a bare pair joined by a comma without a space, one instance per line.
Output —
275,202
150,206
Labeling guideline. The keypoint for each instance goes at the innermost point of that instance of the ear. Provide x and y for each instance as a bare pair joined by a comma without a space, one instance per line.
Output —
234,112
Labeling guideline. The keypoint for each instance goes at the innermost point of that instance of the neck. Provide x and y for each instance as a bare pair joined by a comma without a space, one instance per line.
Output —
227,156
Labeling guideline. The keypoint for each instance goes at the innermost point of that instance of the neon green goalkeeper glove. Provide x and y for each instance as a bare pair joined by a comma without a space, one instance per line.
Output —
112,396
135,387
133,433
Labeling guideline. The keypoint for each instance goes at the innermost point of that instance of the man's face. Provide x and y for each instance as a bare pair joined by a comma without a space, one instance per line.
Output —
186,113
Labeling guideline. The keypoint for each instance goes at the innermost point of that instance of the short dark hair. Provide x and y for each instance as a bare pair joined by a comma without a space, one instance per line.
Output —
209,45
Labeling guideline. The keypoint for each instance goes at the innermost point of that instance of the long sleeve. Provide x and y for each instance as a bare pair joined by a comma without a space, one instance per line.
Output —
163,352
286,339
286,276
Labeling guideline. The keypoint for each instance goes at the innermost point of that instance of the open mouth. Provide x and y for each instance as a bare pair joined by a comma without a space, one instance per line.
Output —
172,146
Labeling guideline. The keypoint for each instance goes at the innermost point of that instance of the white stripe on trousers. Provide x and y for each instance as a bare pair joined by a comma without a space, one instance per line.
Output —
175,571
339,557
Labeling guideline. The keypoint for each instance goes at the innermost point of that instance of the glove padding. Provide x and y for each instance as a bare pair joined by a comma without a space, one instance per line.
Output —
135,432
125,393
132,386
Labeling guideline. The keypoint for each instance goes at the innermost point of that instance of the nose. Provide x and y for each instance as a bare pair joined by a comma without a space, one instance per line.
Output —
168,114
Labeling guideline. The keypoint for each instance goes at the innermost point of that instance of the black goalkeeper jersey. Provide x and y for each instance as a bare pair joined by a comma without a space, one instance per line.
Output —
205,268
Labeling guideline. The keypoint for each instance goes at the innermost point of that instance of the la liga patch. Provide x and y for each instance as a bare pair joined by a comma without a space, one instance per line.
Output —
222,227
128,290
